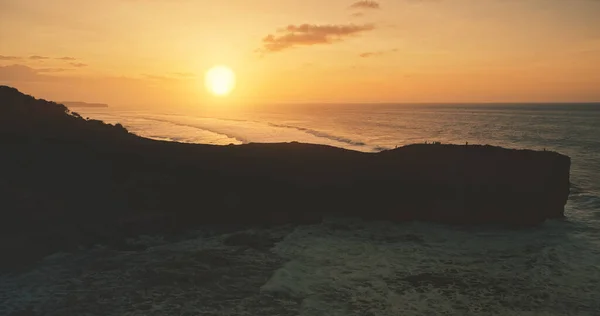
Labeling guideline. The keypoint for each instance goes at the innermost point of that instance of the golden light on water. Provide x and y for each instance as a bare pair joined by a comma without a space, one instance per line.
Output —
220,80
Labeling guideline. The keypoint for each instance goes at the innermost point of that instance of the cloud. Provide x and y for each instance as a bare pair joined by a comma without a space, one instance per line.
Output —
156,77
20,73
184,74
376,53
109,89
9,57
365,4
51,70
311,34
79,65
36,57
170,77
370,54
357,14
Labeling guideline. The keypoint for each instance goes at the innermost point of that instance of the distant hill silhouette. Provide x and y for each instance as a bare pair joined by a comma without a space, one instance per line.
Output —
79,104
25,117
67,181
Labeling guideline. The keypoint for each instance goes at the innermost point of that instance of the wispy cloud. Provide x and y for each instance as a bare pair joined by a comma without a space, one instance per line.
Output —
376,53
17,74
79,65
170,77
51,70
161,78
357,14
9,57
20,73
37,57
311,34
370,54
184,74
366,4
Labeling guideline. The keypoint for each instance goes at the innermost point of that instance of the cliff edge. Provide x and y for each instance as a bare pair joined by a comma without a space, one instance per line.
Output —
65,176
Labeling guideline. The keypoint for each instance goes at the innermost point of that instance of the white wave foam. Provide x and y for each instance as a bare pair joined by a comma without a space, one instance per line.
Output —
198,276
340,267
264,132
321,134
357,268
225,131
161,128
288,281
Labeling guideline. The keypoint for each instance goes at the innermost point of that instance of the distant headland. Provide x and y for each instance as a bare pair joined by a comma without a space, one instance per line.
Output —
80,104
68,181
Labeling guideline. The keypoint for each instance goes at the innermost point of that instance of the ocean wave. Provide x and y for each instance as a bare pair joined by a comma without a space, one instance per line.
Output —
198,276
341,266
257,125
236,137
345,267
310,131
321,134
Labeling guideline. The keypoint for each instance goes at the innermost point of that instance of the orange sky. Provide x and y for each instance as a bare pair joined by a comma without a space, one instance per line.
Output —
154,53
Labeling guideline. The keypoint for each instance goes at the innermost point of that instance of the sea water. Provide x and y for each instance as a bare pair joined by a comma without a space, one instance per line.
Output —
346,266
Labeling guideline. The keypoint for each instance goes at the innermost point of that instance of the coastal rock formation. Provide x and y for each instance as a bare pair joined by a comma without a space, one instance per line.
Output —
65,176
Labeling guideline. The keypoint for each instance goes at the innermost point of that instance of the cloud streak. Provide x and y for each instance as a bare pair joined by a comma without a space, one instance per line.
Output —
376,53
184,74
20,73
365,4
9,57
157,77
311,34
51,70
170,77
78,65
37,57
370,54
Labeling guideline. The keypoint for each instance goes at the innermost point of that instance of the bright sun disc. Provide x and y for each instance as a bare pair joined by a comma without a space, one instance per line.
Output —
220,80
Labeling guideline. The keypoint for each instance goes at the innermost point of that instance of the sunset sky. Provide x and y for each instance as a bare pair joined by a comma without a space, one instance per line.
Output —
156,52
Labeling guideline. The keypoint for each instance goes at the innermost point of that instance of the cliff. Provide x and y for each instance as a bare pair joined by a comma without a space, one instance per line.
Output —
67,181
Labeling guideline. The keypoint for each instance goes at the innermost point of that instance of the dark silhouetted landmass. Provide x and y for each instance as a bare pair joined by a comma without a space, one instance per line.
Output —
77,104
67,181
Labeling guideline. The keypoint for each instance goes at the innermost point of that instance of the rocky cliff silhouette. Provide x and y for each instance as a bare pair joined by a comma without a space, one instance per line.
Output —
67,181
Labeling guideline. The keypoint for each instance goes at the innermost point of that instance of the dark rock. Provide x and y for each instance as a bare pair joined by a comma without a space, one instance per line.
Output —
254,240
437,280
26,312
412,238
65,178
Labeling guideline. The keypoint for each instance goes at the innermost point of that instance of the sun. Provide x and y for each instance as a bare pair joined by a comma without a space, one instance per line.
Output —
220,80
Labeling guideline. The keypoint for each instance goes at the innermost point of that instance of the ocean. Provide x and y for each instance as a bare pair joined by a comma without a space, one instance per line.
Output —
346,266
